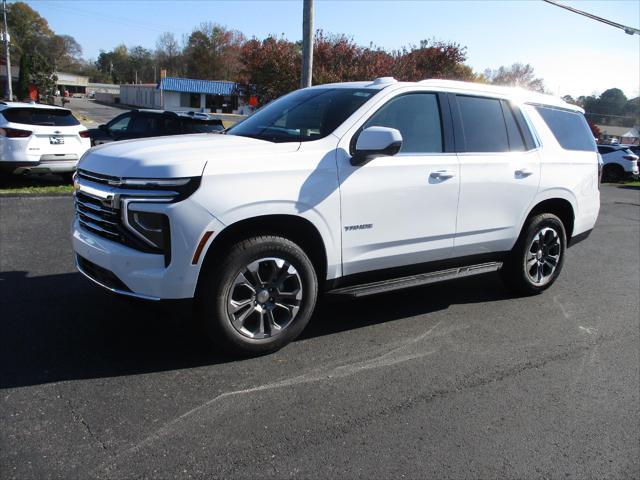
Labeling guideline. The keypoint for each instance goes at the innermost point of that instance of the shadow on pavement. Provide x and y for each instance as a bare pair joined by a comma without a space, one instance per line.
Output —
61,327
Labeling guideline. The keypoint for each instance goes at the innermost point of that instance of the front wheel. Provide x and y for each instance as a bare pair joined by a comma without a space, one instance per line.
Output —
537,258
259,298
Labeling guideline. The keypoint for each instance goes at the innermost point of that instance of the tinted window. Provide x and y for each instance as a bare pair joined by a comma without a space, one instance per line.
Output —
201,126
417,117
516,142
570,128
40,116
147,125
529,142
483,124
602,149
120,124
303,115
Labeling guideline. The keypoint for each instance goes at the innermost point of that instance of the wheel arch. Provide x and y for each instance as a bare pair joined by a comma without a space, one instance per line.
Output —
557,205
296,228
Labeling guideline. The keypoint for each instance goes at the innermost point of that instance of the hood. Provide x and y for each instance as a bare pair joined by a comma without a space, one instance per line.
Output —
174,156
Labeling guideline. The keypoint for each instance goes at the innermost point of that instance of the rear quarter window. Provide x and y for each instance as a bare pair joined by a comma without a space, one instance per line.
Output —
570,128
40,116
201,126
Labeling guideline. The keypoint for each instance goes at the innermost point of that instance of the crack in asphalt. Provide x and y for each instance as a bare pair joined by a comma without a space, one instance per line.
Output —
77,417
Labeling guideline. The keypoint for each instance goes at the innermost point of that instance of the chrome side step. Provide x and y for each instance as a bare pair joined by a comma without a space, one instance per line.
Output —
416,280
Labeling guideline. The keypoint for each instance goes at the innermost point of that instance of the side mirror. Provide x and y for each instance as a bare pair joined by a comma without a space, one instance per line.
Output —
376,142
103,127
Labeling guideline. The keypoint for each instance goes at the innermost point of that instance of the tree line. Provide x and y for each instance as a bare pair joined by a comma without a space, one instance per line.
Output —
611,107
273,64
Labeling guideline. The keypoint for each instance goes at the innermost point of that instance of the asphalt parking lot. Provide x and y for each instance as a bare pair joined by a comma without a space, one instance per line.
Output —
448,381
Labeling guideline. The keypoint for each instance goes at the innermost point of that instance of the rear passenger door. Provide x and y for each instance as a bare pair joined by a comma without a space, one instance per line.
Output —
499,173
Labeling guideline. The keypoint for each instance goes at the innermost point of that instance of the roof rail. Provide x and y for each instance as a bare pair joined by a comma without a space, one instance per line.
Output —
384,81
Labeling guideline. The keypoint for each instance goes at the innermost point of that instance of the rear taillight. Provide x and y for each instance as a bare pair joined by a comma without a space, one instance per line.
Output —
14,133
84,134
631,158
600,168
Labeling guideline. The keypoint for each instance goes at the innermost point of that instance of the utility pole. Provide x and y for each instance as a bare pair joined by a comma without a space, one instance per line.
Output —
9,89
307,43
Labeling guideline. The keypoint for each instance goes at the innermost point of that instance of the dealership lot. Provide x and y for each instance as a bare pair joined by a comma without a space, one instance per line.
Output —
454,380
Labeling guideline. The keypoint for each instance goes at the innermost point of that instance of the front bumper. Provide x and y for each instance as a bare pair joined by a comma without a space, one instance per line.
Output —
144,275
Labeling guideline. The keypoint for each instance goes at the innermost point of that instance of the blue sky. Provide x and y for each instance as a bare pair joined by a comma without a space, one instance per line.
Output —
574,55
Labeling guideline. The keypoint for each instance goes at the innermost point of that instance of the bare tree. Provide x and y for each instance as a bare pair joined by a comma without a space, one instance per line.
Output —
169,54
516,75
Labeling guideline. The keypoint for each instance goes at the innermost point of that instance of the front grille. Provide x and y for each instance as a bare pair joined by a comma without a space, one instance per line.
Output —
98,177
99,211
98,218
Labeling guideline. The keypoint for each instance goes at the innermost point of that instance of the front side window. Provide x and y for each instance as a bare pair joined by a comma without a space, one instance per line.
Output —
483,124
120,124
303,115
417,117
569,127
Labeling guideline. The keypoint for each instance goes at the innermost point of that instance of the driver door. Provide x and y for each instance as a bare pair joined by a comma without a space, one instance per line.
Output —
401,210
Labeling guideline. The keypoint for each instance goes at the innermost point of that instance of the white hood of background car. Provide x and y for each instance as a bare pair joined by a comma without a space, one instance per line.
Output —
173,157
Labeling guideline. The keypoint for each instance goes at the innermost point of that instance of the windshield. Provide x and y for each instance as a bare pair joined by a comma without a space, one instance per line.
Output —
303,115
40,116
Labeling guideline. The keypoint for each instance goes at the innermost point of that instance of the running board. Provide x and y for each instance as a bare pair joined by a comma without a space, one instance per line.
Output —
416,280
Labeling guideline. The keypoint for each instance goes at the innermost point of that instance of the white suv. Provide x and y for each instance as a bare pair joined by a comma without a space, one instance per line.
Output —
37,138
619,163
353,188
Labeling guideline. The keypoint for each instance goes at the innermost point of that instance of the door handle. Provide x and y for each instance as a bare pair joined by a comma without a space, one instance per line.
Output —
442,174
524,172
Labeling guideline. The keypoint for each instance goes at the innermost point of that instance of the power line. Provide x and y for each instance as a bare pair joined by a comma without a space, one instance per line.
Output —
626,29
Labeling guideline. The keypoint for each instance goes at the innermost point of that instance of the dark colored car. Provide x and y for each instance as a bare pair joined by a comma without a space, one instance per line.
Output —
153,123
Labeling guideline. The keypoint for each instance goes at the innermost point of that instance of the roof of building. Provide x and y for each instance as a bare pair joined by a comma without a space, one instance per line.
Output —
188,85
619,131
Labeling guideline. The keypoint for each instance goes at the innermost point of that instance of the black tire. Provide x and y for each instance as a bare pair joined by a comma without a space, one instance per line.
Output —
216,288
67,177
612,173
516,274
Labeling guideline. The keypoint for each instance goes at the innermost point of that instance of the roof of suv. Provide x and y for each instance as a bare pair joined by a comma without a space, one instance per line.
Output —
6,105
191,114
516,93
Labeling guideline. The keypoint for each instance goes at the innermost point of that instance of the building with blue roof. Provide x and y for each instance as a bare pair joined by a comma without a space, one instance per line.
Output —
173,93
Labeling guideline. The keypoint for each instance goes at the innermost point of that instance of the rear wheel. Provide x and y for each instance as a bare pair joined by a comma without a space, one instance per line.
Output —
259,298
537,258
612,173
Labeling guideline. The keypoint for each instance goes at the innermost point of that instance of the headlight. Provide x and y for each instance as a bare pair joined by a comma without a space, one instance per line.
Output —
152,228
148,226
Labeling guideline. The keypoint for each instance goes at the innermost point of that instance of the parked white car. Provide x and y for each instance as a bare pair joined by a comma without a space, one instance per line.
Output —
619,163
36,138
353,189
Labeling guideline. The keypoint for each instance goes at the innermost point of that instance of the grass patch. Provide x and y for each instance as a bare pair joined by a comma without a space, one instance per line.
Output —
34,185
39,190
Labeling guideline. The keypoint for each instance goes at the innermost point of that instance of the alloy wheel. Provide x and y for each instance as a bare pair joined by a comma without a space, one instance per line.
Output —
543,256
264,298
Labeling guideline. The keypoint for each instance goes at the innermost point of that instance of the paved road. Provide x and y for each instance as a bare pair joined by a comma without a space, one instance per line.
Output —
92,114
449,381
